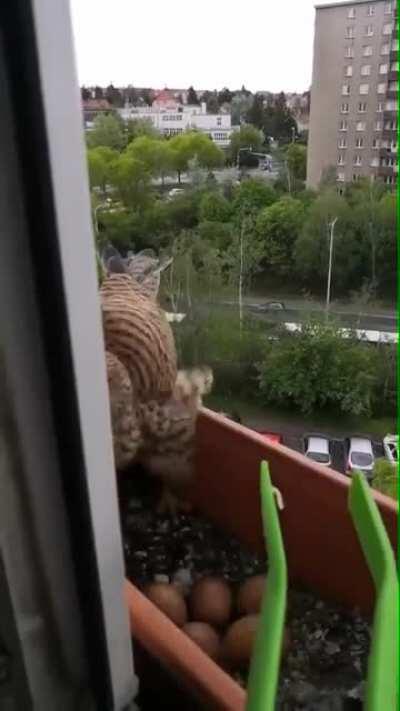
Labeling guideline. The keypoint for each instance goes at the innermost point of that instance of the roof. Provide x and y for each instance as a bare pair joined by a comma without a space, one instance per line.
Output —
96,104
346,2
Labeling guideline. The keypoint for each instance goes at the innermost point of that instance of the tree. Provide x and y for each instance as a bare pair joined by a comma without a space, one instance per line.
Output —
279,121
296,157
85,93
193,144
316,369
107,131
211,99
100,161
146,96
243,259
214,208
251,196
140,127
192,98
279,226
132,179
312,246
114,96
98,92
240,105
255,115
225,96
246,137
155,153
131,95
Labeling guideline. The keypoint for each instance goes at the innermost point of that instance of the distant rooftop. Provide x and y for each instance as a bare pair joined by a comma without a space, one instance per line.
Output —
346,2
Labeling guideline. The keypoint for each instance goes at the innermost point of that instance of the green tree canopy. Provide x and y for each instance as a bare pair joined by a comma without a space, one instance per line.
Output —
296,156
279,226
214,208
100,162
252,195
107,131
246,137
131,177
316,369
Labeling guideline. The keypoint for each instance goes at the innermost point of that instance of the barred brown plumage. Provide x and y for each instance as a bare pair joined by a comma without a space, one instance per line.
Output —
153,413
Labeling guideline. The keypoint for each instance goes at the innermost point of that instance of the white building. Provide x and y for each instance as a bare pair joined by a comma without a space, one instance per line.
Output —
171,120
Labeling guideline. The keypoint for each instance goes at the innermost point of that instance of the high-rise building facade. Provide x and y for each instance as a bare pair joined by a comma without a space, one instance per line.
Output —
354,94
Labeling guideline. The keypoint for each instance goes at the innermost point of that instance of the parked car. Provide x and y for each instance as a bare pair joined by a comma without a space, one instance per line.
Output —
271,436
317,448
174,192
360,456
391,448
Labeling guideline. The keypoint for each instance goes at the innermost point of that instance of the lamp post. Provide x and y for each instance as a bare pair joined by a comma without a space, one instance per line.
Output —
328,288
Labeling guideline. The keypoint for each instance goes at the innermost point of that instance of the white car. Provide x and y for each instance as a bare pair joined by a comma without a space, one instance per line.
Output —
391,448
360,456
316,447
175,192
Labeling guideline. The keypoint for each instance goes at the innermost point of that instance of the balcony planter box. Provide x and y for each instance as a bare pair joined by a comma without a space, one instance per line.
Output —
322,549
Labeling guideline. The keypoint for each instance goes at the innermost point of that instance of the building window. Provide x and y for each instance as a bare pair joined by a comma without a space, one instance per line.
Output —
387,29
390,126
219,121
362,107
395,45
364,88
342,143
367,50
359,143
376,143
344,108
383,69
391,105
393,146
389,179
357,160
340,177
355,177
379,108
349,53
350,32
378,126
371,11
384,143
360,126
346,90
387,162
343,126
381,88
341,159
348,71
365,70
369,30
351,13
392,86
388,8
385,49
375,162
394,67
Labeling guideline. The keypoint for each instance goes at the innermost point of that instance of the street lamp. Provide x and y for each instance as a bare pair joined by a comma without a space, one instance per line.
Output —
328,288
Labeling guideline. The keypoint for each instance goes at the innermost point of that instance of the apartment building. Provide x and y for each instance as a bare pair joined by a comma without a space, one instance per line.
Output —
354,93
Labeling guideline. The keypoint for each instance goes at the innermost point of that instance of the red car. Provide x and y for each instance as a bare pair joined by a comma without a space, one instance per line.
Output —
272,437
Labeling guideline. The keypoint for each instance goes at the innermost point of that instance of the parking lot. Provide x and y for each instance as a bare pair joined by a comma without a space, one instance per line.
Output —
337,450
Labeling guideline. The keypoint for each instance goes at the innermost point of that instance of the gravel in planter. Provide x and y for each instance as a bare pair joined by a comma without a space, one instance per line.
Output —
325,666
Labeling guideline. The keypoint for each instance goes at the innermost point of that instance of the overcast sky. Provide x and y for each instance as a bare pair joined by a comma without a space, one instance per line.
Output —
263,44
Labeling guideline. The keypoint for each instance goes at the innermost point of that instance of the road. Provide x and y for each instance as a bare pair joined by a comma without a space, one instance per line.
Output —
363,321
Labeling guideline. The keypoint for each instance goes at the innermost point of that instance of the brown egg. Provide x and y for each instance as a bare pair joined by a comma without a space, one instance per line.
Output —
211,601
205,637
169,600
238,642
250,595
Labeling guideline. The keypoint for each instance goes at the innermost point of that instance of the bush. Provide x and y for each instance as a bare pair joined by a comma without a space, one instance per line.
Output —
386,478
316,369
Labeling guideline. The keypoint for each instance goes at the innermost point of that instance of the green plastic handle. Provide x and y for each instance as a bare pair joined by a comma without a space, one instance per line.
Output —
382,689
264,670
